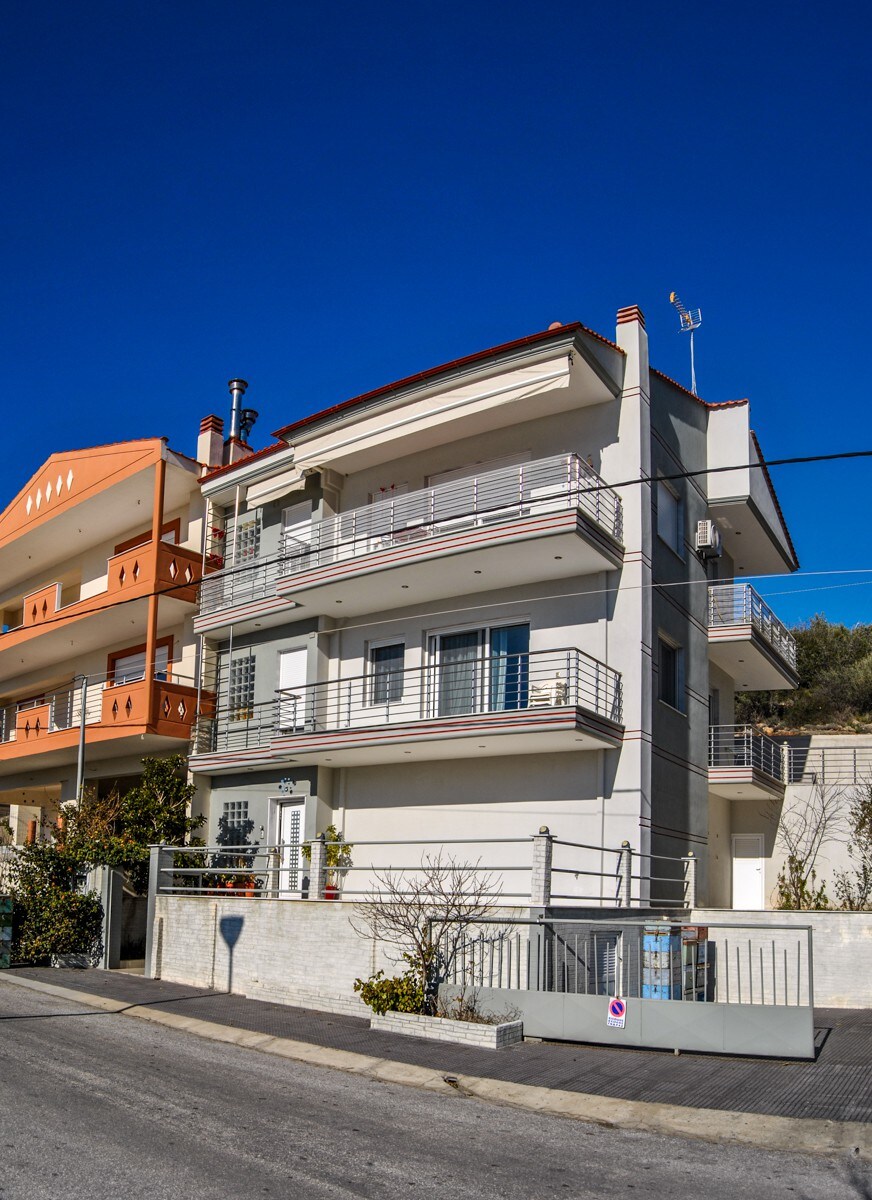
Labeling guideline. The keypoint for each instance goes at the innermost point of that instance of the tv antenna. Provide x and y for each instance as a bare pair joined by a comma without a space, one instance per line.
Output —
690,319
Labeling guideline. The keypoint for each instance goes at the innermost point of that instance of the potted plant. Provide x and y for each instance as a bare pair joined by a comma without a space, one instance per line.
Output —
337,853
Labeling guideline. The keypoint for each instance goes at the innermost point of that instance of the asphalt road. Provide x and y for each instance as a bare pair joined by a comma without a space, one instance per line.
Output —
99,1105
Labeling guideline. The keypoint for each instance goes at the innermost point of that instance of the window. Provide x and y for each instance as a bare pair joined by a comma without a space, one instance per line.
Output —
386,673
234,825
297,530
240,687
128,668
247,540
481,670
670,518
671,667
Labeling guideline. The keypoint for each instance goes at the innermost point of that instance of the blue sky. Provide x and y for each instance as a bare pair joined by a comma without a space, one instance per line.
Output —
325,198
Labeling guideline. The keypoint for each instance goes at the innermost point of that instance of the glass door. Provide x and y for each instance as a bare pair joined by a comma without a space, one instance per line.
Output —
458,673
509,667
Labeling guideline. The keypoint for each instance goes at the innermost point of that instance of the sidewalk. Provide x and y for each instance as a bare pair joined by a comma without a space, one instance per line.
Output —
837,1087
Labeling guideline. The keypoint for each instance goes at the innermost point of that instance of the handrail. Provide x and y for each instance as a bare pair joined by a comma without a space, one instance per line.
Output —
561,482
745,746
739,604
536,679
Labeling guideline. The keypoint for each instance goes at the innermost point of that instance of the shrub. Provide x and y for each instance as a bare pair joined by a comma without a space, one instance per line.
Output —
399,993
50,914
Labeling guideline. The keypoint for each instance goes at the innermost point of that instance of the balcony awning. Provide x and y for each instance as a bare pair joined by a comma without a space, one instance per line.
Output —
274,487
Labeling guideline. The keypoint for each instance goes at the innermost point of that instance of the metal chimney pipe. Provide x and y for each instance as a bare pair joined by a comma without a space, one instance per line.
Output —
237,391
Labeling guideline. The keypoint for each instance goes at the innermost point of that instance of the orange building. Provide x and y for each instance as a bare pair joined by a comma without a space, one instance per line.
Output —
100,562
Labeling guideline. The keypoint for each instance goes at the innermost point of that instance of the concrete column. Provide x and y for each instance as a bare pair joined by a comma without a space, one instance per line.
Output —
160,857
626,874
157,514
318,869
690,879
540,875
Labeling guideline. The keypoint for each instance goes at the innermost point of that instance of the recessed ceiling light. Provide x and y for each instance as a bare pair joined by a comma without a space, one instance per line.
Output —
404,586
338,601
558,557
407,752
476,572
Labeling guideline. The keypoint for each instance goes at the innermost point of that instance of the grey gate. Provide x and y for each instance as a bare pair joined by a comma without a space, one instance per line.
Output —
723,988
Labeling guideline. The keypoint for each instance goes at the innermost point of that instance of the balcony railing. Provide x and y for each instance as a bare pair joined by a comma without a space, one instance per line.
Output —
442,692
559,484
34,719
743,746
738,604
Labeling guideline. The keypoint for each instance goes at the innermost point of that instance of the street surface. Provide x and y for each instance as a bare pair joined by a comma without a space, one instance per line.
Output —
103,1106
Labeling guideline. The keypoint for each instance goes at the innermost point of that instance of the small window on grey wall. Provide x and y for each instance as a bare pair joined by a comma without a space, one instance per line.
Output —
670,661
670,518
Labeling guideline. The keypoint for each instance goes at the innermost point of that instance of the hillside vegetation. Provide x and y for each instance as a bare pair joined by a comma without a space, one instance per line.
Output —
835,683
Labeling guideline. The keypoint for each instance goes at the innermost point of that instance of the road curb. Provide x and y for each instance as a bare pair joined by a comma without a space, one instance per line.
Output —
799,1135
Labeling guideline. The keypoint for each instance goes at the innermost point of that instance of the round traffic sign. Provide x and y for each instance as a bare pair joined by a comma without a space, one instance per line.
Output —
617,1008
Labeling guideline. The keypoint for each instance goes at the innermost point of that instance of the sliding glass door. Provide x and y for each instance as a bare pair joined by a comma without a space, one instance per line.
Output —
481,670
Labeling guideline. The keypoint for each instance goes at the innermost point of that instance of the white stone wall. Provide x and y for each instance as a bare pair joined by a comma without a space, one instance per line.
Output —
299,952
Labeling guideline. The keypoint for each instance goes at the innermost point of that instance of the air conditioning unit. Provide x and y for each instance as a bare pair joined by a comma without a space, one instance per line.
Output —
708,539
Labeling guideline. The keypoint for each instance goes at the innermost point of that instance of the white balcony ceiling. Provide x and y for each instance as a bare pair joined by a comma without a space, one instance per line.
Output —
747,658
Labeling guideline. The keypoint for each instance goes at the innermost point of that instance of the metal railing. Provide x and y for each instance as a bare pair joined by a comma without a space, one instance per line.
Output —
64,704
738,604
722,963
828,765
300,870
534,680
561,483
745,746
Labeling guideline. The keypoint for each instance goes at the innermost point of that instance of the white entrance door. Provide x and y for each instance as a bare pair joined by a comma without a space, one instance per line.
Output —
748,871
292,690
291,865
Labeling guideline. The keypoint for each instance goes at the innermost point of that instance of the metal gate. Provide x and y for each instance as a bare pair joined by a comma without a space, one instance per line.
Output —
723,988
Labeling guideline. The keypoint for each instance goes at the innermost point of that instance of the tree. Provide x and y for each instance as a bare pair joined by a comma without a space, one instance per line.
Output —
116,830
424,918
803,830
854,887
834,664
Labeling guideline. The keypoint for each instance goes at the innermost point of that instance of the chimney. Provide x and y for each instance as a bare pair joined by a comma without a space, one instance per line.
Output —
210,443
236,446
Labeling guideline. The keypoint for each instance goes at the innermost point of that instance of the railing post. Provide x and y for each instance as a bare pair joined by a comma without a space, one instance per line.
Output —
540,875
625,870
690,879
158,858
318,869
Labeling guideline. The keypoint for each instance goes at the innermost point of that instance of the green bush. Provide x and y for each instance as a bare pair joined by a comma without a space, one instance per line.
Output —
60,923
399,993
50,914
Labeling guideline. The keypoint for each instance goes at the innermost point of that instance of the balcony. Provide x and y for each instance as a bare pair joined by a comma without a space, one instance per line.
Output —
745,764
120,718
531,703
453,539
747,641
106,616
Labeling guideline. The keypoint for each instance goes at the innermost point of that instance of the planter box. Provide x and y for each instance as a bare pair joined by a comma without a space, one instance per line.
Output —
80,961
442,1029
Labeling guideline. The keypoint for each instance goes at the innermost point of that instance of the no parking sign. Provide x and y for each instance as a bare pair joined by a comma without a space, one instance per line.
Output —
617,1015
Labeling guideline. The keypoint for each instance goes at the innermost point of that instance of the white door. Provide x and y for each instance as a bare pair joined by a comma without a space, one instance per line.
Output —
748,871
297,534
291,864
292,690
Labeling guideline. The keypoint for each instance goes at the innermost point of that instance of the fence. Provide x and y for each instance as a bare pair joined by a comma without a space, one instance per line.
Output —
518,870
745,747
725,987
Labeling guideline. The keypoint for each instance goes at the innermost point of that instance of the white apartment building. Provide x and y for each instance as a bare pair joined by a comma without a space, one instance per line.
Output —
499,595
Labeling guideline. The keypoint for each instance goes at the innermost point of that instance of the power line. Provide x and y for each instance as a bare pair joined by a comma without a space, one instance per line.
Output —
235,571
